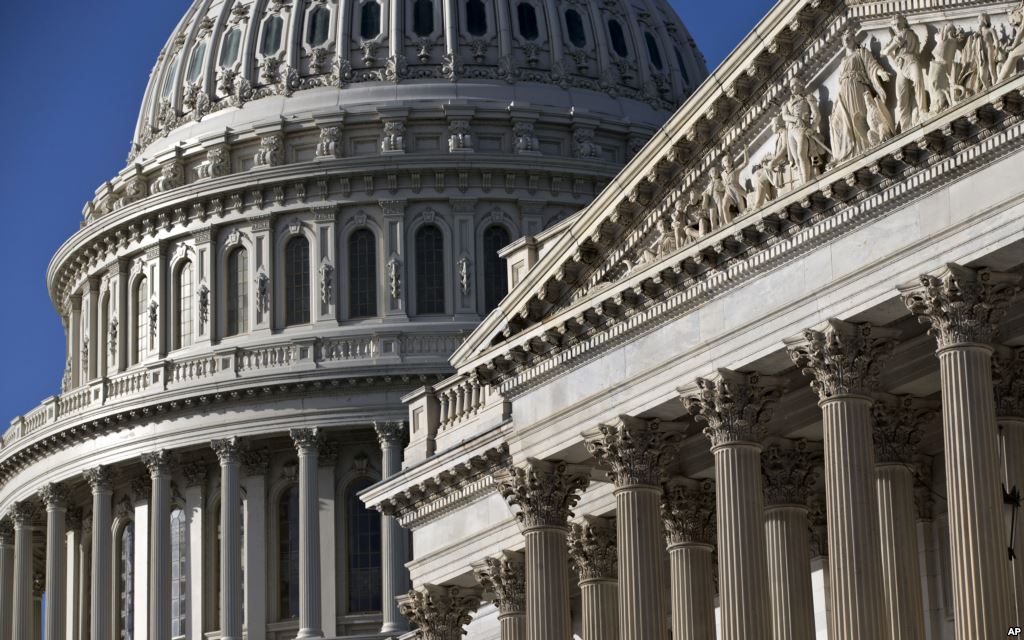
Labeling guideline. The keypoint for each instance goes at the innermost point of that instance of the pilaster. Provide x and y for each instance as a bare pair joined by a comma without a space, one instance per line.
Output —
327,513
307,444
196,473
255,465
394,574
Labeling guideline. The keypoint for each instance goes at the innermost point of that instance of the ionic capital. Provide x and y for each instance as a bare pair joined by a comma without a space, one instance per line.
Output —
158,463
544,491
439,612
503,579
962,305
843,358
389,434
688,511
790,473
54,495
592,547
1008,380
228,450
735,406
897,429
635,450
306,440
98,478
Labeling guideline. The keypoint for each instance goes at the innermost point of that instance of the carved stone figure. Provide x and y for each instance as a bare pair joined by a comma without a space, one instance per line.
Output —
584,145
262,291
860,90
904,50
216,164
328,146
779,164
112,332
1015,51
764,186
981,56
326,283
804,145
692,221
943,89
394,137
459,137
394,269
203,293
526,142
734,195
269,153
170,177
880,124
463,268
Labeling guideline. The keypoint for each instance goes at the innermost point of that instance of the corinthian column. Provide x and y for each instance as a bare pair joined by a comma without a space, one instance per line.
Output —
23,625
394,575
636,451
55,498
688,511
789,477
963,307
593,550
735,406
1008,375
440,612
229,454
545,493
845,359
503,579
6,576
159,465
307,443
101,582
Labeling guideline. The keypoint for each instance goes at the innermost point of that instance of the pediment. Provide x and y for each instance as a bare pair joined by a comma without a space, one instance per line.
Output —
788,126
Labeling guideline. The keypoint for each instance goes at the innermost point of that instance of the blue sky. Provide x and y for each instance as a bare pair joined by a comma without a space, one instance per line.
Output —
69,104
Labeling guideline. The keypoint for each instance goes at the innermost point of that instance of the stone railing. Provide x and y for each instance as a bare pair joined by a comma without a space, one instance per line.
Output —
460,399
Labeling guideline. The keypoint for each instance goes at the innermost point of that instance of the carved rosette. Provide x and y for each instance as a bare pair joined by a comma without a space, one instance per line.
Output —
99,478
688,511
545,492
158,463
389,434
503,578
593,550
54,495
789,474
844,358
1008,380
735,406
228,450
439,612
897,429
635,450
963,305
306,440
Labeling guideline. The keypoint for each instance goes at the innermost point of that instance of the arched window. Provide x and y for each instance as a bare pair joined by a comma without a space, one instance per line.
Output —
270,39
574,25
495,275
527,21
653,52
429,270
288,554
126,583
165,91
319,26
183,312
423,17
179,572
476,18
682,66
238,292
362,269
229,49
141,319
369,20
618,37
363,552
296,281
195,64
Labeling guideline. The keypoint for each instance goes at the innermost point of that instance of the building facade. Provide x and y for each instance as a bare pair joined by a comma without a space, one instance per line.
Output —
769,383
307,227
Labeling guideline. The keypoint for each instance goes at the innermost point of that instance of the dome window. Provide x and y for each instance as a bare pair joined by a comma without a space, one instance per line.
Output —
430,279
362,268
618,37
369,20
527,15
296,277
653,52
165,91
423,17
270,40
682,66
229,50
476,18
195,65
319,26
574,25
495,273
238,292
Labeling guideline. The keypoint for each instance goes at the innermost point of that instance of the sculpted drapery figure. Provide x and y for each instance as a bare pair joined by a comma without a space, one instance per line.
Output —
860,93
1015,52
981,56
904,50
943,89
804,145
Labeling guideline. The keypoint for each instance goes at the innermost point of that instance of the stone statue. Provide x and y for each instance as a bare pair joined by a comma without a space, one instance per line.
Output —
1015,52
904,50
778,161
394,137
764,186
880,125
860,89
804,145
691,221
943,89
730,196
981,56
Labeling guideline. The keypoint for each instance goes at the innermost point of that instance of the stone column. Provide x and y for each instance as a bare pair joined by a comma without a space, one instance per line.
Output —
1008,374
821,576
845,359
636,451
735,406
196,472
23,513
688,511
897,433
503,578
545,492
307,443
55,497
159,465
327,460
73,543
789,476
927,545
964,307
440,612
593,551
255,465
229,455
6,576
394,575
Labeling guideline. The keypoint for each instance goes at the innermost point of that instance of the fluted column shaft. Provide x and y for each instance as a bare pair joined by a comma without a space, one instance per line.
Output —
394,575
641,610
513,625
159,547
23,625
901,567
789,572
547,584
230,539
307,445
599,599
693,591
6,578
1011,432
56,566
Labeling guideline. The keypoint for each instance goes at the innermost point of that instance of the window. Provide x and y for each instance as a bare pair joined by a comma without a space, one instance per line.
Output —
363,552
229,50
238,292
126,582
165,91
495,275
423,17
362,267
653,52
618,38
141,319
296,281
527,21
271,38
574,25
369,20
319,25
476,18
179,572
682,66
195,65
183,313
429,270
288,549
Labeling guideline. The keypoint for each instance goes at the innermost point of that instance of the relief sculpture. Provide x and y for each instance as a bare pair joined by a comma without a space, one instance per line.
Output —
860,100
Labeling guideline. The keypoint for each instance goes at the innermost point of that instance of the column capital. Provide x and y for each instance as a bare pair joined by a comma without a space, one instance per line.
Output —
195,472
688,511
306,440
593,548
99,478
23,513
1008,380
897,427
503,577
389,433
140,487
735,406
545,491
228,450
440,612
843,358
255,463
158,463
54,495
74,519
789,473
961,304
6,531
635,450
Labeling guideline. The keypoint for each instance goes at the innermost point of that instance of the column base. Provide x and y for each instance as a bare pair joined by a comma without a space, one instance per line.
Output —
309,633
392,627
